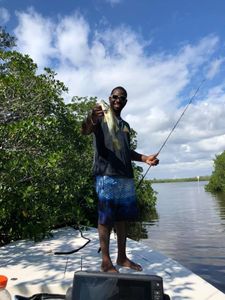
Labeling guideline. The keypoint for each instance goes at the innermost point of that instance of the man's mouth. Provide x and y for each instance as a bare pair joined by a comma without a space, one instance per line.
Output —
117,105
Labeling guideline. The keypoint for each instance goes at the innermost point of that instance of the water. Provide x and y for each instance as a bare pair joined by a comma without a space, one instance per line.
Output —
191,229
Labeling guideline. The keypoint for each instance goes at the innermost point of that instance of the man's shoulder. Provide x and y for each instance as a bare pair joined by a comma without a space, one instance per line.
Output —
126,125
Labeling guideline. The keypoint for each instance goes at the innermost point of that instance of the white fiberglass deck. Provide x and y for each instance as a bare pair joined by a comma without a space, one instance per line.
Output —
33,267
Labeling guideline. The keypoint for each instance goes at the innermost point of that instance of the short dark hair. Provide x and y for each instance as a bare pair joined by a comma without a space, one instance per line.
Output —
119,88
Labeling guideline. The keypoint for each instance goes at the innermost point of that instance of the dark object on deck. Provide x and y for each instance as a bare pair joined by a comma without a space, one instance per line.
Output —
42,296
108,286
113,286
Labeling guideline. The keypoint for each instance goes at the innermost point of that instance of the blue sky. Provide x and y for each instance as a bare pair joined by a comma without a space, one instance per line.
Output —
158,50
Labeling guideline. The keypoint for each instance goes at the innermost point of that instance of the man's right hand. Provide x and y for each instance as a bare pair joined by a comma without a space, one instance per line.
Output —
96,113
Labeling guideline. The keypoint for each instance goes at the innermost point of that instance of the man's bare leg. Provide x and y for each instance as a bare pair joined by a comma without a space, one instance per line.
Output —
122,258
104,237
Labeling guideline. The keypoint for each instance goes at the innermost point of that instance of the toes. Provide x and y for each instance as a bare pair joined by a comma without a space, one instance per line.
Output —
109,269
130,264
137,267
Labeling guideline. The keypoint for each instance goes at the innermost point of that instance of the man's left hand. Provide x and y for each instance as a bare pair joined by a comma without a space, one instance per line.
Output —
152,160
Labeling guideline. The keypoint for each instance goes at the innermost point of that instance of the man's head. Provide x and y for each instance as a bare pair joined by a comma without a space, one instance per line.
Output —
118,99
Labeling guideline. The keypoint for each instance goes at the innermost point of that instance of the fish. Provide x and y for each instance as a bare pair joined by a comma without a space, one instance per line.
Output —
111,121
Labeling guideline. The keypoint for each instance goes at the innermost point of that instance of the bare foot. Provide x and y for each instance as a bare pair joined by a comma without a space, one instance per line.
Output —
108,268
129,264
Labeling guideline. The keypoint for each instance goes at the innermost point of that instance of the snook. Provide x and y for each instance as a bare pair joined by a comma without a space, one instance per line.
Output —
111,121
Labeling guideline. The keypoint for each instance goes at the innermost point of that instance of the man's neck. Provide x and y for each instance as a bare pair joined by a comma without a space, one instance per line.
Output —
117,114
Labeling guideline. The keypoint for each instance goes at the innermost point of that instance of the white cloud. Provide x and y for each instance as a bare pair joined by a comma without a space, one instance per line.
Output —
214,67
92,62
72,41
35,35
4,15
212,144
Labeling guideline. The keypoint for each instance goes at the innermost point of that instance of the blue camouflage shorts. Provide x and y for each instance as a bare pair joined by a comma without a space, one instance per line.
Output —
117,199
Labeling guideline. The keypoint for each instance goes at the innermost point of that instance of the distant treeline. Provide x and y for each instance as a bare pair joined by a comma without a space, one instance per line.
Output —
200,178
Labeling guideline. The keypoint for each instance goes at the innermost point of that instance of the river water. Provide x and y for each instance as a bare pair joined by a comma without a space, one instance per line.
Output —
190,228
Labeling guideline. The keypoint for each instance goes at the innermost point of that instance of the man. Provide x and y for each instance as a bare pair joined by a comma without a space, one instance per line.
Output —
114,178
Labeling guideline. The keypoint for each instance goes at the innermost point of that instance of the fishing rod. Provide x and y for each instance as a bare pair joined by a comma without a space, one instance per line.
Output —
175,125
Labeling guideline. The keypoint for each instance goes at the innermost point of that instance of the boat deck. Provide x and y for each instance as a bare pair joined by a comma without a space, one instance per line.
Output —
34,268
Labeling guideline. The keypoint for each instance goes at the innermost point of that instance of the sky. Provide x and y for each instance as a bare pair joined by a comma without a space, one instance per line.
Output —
161,51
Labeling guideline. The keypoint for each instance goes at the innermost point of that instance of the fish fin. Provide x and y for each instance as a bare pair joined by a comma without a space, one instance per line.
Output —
116,144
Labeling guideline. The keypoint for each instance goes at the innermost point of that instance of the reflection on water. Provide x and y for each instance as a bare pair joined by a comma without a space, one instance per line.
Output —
191,229
220,198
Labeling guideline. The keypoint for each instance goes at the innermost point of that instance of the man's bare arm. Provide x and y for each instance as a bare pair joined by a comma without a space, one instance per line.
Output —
89,124
148,159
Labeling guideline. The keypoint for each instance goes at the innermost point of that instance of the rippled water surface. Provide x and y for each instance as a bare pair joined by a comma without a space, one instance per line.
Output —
191,229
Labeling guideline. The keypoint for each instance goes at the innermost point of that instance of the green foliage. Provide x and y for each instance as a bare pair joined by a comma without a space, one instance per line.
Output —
217,179
145,194
24,94
6,40
45,162
146,198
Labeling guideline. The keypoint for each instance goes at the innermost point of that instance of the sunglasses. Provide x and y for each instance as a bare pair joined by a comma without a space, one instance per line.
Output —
121,98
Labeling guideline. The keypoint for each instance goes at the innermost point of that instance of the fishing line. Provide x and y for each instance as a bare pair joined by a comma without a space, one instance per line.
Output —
172,130
75,250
